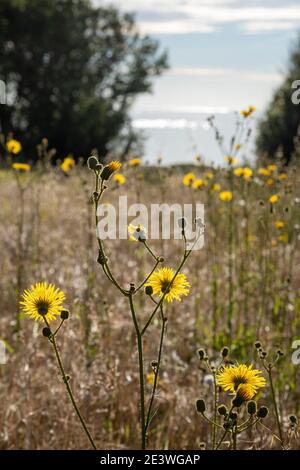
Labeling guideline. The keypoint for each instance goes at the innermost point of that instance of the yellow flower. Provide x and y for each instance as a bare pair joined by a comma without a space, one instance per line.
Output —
230,159
209,175
238,147
21,166
150,378
284,237
216,187
119,178
272,168
263,172
282,176
199,183
160,282
226,196
270,182
252,238
198,158
137,233
273,199
247,112
273,243
238,171
248,172
279,224
14,146
42,302
188,178
241,379
135,162
67,164
109,169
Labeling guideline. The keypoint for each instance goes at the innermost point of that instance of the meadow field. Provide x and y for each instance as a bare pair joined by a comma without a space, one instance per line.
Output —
239,307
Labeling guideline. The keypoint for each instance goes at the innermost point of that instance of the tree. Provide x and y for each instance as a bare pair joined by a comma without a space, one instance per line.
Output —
72,72
277,131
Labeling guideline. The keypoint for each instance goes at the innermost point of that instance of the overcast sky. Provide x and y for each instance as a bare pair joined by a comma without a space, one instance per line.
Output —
223,54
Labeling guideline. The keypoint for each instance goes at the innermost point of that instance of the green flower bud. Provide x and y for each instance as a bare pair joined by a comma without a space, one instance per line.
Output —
92,162
225,352
293,419
238,401
251,407
64,314
201,354
46,332
257,345
222,410
149,290
200,406
262,412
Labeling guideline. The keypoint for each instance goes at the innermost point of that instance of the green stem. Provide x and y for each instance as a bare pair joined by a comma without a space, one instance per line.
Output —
275,407
141,371
69,391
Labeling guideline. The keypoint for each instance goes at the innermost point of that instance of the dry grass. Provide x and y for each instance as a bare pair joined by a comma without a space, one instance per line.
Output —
60,247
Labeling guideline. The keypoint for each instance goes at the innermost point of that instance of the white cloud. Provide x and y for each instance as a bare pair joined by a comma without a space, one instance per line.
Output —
221,72
182,16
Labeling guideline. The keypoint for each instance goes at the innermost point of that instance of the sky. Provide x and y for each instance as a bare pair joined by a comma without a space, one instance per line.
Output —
223,54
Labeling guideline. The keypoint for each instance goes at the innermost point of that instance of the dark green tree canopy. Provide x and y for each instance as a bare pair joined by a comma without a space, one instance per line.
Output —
278,130
72,72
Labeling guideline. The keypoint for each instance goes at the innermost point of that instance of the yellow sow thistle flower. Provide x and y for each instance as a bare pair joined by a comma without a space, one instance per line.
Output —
241,380
238,171
247,112
230,159
273,199
216,187
199,183
237,147
109,169
21,166
119,178
248,173
272,168
13,146
135,162
67,164
160,280
263,172
188,178
270,182
42,302
137,233
209,175
279,224
282,176
226,196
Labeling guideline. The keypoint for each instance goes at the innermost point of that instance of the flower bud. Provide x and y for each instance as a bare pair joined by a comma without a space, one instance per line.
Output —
200,406
46,332
225,352
149,290
201,354
92,162
64,314
251,407
262,412
238,401
293,419
222,410
257,344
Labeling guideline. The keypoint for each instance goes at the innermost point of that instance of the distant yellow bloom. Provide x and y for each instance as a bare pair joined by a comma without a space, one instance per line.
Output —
263,172
160,282
14,146
21,166
226,196
198,158
135,162
238,171
273,243
119,178
230,159
109,169
199,183
42,302
137,233
284,237
282,176
252,238
209,175
279,224
270,182
247,112
238,146
188,178
150,378
67,164
273,199
241,379
216,187
272,168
